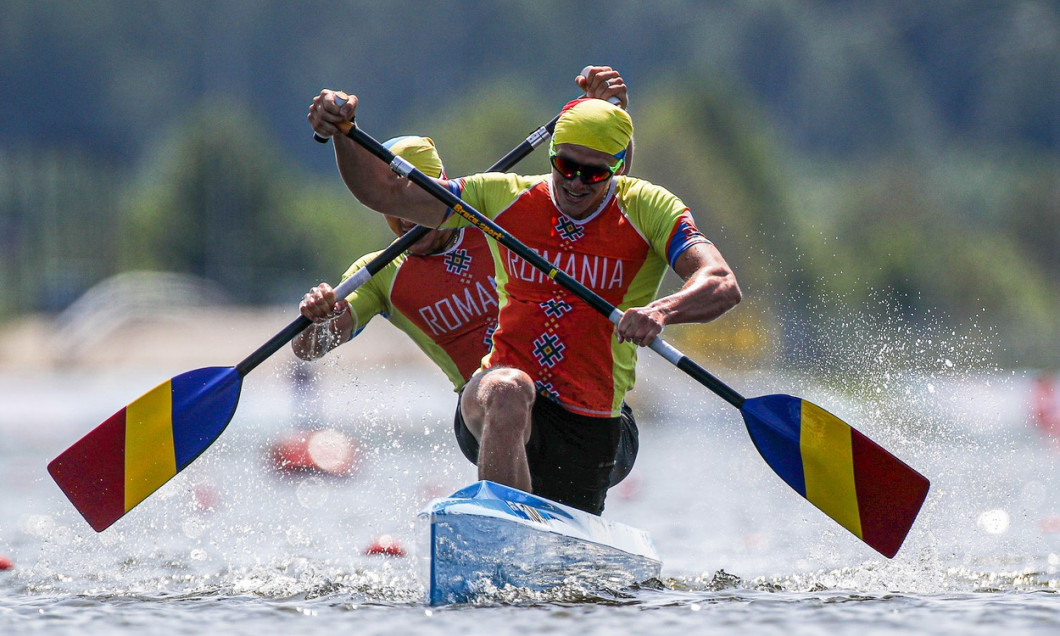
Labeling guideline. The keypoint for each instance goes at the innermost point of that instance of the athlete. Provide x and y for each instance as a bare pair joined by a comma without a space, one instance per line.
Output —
454,329
544,411
441,292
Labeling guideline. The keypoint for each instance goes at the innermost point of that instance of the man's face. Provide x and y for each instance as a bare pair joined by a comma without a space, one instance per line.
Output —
431,242
575,198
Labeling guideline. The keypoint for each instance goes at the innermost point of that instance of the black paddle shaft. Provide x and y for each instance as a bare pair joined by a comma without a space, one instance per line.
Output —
476,218
514,156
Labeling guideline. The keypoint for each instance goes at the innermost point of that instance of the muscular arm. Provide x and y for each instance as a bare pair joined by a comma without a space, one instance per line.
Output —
369,179
332,323
709,291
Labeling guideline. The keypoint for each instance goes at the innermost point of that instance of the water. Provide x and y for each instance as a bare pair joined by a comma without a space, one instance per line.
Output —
231,547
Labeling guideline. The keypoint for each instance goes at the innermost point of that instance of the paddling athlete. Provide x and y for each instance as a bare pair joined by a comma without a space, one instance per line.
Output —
441,292
544,411
444,298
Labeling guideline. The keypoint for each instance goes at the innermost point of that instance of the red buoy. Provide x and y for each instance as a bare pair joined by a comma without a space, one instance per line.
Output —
385,545
326,451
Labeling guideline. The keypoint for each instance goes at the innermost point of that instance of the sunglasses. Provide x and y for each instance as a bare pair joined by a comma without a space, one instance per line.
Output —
590,175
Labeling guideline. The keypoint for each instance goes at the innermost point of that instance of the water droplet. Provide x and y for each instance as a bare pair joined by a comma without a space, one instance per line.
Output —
994,521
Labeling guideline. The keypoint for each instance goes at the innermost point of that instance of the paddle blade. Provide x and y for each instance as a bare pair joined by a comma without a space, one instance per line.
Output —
852,479
142,446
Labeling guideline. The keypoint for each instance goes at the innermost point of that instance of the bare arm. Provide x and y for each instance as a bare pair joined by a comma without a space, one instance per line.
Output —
332,323
709,291
370,180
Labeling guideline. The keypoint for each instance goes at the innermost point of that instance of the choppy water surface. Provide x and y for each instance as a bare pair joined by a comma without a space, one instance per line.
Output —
230,546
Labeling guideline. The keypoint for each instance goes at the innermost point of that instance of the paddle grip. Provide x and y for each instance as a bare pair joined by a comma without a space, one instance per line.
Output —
316,136
614,100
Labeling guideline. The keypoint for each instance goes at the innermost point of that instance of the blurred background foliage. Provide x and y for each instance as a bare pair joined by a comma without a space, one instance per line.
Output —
898,156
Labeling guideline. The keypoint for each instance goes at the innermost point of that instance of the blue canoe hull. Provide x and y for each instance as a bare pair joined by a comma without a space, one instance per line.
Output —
487,537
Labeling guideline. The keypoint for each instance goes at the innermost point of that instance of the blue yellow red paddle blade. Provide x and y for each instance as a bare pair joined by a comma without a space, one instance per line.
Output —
141,447
850,478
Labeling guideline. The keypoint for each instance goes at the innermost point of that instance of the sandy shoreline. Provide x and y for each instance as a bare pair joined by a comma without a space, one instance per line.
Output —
212,336
56,382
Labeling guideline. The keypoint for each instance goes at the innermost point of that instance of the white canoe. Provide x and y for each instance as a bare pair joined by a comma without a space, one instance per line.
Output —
486,537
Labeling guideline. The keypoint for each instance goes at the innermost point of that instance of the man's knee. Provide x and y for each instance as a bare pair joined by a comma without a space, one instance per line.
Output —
506,389
496,395
503,399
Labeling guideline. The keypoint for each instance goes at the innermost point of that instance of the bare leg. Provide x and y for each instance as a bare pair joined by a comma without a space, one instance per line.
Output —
496,407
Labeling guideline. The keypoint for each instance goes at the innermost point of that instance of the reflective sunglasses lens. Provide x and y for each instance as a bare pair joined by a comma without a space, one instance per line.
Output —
571,169
564,167
595,175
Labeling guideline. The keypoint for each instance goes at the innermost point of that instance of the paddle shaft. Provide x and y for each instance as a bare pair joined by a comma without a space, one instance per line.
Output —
476,218
361,276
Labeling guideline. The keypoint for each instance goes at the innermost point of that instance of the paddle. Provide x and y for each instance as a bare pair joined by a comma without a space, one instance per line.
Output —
853,480
138,449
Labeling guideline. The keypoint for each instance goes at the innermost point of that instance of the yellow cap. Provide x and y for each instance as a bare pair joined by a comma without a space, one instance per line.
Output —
596,124
420,152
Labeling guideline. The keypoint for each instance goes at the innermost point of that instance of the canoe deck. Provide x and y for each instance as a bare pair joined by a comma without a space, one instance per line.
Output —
487,537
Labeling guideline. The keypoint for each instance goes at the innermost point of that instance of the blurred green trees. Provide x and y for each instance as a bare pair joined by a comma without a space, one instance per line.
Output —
218,201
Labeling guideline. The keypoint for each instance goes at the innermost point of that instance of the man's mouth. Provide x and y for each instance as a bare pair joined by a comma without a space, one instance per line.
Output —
574,195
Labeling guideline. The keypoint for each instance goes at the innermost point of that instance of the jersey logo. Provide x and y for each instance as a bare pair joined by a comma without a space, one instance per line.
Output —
548,350
569,229
488,338
457,261
555,308
546,389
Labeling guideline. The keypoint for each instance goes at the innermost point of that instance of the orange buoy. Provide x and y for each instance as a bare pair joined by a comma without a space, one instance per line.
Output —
325,451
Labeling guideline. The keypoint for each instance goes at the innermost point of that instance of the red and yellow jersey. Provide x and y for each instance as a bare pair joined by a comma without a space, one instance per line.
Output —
446,302
620,251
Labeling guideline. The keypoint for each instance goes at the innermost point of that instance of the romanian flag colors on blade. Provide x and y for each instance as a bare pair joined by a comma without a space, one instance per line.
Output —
138,449
849,477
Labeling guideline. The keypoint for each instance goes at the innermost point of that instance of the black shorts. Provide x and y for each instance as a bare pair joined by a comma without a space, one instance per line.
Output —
573,459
